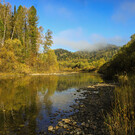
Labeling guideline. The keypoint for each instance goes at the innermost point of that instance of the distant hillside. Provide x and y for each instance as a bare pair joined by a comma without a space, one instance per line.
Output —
63,54
106,53
123,62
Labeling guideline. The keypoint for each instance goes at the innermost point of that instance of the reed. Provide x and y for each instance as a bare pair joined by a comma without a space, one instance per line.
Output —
121,121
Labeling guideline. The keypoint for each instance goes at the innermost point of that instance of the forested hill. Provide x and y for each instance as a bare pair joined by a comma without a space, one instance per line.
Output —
106,53
123,62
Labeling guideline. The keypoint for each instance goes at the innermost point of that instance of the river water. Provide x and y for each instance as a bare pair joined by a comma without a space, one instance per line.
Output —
28,105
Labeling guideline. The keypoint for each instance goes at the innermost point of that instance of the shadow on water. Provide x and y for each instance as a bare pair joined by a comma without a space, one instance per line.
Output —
27,103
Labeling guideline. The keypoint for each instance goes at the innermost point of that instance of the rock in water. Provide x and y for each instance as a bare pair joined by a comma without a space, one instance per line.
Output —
56,127
60,124
66,120
50,128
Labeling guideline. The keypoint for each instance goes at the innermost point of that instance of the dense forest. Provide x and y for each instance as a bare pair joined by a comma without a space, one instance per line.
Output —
85,60
21,40
24,48
123,62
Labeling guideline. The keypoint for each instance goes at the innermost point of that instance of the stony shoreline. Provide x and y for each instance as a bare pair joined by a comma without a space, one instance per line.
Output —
59,73
89,112
5,75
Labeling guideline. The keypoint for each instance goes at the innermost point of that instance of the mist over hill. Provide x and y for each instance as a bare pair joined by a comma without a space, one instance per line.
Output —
104,52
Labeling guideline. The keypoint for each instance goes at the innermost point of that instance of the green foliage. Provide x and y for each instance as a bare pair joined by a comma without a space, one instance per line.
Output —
20,23
33,31
48,40
20,40
8,60
1,28
106,53
123,61
16,47
45,62
11,56
52,60
85,60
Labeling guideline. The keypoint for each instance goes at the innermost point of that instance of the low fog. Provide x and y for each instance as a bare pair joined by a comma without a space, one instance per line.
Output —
75,39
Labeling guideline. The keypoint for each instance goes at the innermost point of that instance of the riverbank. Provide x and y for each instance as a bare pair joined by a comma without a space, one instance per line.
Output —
9,75
5,75
59,73
89,112
15,74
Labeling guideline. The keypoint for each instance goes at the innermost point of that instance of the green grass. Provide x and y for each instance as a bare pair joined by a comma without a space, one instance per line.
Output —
122,119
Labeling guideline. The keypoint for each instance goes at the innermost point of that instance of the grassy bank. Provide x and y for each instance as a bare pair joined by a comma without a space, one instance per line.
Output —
122,119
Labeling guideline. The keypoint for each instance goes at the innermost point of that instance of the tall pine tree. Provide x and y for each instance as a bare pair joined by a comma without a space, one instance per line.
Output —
33,29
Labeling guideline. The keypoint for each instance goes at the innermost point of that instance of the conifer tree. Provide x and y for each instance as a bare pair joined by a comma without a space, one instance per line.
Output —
5,17
33,30
13,24
20,24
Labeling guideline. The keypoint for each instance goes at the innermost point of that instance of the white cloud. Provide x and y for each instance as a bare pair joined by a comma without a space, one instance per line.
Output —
71,38
117,40
71,33
99,39
74,39
75,45
124,11
96,38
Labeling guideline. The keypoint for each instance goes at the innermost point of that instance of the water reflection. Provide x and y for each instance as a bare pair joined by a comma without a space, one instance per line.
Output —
27,102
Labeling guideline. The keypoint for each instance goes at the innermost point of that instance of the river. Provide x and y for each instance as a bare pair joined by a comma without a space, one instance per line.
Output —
28,105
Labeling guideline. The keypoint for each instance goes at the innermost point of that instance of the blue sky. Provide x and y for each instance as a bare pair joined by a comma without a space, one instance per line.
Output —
85,24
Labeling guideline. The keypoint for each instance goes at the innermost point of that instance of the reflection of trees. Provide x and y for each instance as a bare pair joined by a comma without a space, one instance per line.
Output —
17,105
18,92
77,80
20,103
50,85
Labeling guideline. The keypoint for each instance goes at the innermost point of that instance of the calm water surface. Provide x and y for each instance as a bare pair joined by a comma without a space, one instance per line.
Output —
28,105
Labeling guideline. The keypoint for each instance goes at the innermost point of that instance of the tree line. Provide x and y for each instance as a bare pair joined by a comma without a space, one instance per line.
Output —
123,62
21,41
85,60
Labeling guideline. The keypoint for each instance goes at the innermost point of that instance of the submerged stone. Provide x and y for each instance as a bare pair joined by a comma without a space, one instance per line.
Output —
66,120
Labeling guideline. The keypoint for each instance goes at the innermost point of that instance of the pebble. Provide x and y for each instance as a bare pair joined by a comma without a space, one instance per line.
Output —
86,112
50,128
65,126
83,124
56,127
87,125
66,120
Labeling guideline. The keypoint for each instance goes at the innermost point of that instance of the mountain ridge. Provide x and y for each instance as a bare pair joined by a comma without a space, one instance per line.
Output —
63,54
